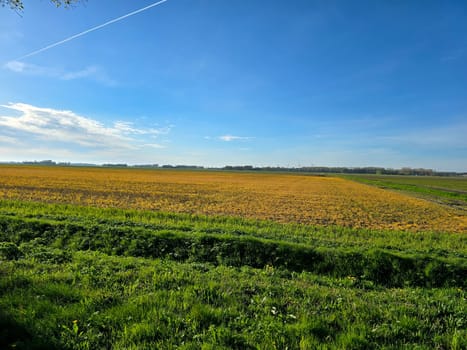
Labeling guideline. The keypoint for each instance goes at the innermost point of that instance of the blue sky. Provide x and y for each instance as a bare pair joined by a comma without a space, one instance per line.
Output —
214,83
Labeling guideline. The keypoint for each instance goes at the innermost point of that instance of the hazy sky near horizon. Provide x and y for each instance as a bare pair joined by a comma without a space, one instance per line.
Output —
214,83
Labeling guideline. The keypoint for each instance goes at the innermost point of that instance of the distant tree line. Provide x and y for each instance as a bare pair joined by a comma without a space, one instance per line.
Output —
347,170
308,169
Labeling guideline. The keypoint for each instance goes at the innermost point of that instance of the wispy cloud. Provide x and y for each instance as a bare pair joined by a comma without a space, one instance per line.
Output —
84,73
29,69
154,145
8,139
92,72
127,128
61,126
229,138
447,136
454,55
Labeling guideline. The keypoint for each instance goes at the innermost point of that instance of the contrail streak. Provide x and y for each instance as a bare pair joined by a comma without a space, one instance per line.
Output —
90,30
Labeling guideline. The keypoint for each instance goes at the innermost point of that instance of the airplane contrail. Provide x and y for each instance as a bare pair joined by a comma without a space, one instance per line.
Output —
90,30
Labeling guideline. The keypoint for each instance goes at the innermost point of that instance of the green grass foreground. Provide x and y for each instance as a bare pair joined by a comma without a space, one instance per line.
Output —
87,278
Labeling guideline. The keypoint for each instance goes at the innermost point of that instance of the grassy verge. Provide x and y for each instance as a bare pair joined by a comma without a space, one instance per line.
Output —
90,300
87,278
226,242
443,244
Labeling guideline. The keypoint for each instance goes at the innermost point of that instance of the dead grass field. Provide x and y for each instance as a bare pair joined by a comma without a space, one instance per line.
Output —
295,198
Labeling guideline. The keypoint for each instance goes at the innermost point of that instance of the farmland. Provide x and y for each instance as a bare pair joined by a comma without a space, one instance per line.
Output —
139,259
311,200
451,191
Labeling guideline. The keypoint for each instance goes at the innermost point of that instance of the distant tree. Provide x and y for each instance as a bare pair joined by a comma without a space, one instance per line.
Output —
19,6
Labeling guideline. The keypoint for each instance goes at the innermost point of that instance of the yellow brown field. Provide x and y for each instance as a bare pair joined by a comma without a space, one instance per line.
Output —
283,198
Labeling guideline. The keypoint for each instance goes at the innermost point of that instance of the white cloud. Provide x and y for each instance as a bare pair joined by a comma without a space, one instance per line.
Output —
14,66
92,72
229,138
8,139
154,145
61,126
127,128
29,69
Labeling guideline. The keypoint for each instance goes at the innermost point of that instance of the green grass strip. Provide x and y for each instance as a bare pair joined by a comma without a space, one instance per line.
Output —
428,190
380,266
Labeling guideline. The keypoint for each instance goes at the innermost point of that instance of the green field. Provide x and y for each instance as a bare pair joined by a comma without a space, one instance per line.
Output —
86,278
448,190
